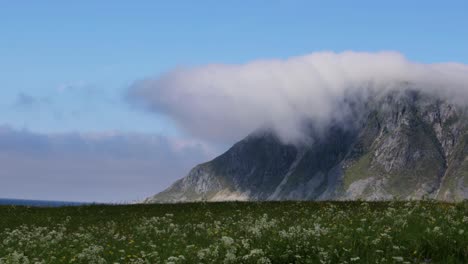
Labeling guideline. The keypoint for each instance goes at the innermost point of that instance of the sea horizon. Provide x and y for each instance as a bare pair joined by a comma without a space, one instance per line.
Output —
41,203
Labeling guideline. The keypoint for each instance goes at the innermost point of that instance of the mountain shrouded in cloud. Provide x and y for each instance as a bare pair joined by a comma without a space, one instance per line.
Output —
403,144
322,126
223,103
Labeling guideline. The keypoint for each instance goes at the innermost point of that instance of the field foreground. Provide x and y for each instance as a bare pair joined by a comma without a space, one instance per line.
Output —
236,232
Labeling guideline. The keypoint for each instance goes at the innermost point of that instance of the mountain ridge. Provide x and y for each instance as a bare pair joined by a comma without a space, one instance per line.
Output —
404,144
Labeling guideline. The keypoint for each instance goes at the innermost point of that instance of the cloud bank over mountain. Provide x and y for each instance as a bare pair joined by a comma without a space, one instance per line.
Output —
223,103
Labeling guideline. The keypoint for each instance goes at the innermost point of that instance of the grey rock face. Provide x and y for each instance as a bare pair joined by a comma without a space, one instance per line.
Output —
406,145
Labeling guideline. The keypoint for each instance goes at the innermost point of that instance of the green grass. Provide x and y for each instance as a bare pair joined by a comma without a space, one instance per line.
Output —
236,232
357,171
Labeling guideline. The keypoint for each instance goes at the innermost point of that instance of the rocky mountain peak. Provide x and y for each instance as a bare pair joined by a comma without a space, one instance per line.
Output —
404,144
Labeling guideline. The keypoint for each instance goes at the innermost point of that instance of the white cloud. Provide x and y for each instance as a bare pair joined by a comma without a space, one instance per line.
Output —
224,103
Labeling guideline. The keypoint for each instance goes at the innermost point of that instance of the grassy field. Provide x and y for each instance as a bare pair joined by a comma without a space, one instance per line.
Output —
270,232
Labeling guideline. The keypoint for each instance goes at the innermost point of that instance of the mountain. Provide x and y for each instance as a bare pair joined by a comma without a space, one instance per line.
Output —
404,144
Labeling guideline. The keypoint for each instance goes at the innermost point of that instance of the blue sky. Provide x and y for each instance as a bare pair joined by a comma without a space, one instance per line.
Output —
104,46
66,67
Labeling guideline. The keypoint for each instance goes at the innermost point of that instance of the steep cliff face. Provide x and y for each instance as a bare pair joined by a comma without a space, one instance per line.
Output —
406,145
251,169
410,140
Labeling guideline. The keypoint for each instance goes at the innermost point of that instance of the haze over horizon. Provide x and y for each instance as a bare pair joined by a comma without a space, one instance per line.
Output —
113,101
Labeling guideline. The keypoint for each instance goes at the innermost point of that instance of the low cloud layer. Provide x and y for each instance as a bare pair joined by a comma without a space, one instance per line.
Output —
100,167
223,103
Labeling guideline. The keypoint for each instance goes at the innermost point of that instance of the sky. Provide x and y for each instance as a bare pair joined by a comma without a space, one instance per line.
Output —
70,128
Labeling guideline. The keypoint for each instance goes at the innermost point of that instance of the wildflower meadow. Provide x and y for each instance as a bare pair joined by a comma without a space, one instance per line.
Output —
237,232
